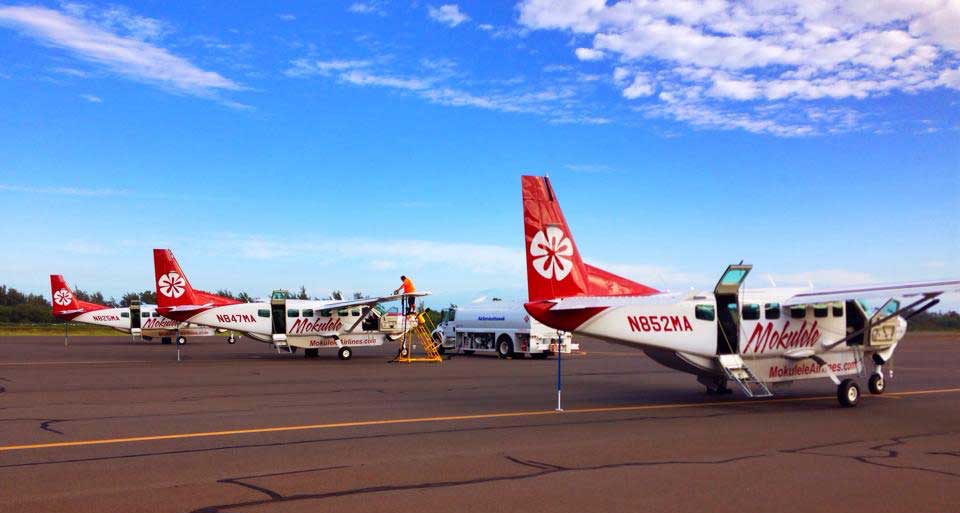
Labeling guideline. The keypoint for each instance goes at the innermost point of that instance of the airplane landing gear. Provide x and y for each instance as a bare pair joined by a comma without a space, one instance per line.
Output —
345,353
231,340
848,393
877,384
181,340
716,385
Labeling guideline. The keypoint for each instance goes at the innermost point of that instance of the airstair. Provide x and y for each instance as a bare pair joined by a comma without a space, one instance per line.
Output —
421,333
735,369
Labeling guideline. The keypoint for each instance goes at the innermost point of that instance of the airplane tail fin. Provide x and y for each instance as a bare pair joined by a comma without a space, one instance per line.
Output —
62,298
554,266
173,288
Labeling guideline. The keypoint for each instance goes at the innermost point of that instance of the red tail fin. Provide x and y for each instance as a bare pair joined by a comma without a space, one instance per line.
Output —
64,301
173,289
62,297
554,266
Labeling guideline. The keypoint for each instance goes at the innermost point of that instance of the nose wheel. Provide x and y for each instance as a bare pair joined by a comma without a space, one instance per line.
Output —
877,384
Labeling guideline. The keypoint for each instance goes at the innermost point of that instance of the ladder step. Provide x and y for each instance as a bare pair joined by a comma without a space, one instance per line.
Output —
735,369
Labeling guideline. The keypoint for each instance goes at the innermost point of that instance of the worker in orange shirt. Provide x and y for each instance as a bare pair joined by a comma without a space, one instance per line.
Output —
408,288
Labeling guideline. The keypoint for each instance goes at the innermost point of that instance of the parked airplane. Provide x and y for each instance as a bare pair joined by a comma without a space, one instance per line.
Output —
138,320
285,323
750,336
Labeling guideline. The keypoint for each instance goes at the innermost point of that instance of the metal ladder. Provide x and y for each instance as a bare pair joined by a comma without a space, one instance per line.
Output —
736,370
421,332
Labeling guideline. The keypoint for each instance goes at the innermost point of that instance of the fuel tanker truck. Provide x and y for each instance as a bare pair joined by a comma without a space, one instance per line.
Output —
497,327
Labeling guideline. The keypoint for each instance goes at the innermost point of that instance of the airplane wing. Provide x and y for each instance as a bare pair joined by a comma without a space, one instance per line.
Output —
367,301
886,291
581,302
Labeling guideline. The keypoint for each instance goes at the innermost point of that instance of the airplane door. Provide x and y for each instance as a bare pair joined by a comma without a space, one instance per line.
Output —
278,313
134,314
727,293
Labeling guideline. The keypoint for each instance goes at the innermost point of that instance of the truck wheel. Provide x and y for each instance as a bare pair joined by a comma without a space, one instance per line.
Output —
166,341
848,393
876,384
504,346
345,353
311,353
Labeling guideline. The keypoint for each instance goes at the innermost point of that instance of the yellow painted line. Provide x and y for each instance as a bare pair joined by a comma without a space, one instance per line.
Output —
448,418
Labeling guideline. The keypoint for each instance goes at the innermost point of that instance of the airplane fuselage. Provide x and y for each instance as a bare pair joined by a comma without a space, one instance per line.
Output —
303,323
682,332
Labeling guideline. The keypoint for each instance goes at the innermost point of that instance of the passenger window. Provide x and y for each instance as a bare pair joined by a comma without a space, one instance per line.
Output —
156,314
704,312
343,313
145,314
751,312
293,312
263,313
307,312
324,313
820,311
124,314
798,312
355,313
771,311
838,309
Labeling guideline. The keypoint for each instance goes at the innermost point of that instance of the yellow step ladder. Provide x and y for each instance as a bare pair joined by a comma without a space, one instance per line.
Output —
420,333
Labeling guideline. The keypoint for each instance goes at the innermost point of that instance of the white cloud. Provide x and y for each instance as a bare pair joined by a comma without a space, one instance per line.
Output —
366,8
92,98
308,67
363,78
448,14
486,27
641,86
287,17
713,54
131,56
588,54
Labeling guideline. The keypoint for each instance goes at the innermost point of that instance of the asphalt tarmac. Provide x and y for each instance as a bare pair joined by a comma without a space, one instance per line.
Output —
107,425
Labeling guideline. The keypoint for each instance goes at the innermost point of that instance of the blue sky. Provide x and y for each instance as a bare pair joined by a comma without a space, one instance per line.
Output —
338,145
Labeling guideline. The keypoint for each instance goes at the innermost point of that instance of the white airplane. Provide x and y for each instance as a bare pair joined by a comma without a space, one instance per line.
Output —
754,337
285,323
138,320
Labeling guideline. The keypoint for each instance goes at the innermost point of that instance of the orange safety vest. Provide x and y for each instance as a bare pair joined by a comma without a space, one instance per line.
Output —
408,286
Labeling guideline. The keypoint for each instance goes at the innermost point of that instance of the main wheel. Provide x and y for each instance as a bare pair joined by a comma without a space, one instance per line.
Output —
232,340
181,340
345,353
876,384
848,393
504,346
166,340
311,353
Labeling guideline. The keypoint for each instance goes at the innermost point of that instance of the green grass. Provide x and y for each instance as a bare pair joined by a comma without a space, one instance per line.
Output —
11,329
